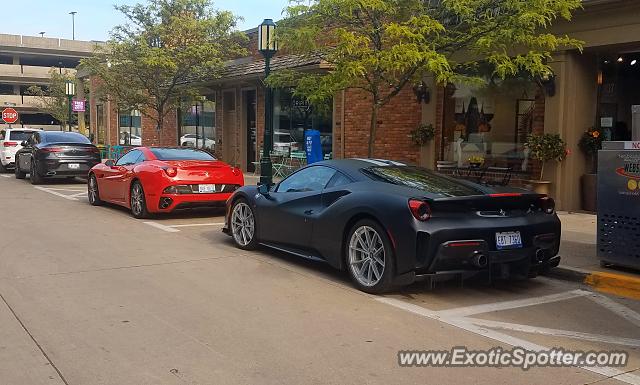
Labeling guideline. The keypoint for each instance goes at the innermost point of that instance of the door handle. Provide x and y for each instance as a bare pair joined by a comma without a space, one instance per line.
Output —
308,212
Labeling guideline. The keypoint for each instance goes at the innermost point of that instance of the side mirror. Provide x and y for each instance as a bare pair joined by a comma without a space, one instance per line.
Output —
24,143
110,163
264,189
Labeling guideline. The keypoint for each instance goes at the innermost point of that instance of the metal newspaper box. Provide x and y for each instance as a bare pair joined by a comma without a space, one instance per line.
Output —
619,204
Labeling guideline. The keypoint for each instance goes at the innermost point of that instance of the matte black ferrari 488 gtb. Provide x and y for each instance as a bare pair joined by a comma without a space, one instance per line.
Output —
389,224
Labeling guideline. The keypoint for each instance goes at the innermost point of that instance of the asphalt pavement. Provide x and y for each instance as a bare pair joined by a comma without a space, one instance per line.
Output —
92,296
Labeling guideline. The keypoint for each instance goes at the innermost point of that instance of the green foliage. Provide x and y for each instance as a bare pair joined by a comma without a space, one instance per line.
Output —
380,46
591,141
151,62
423,134
547,147
53,98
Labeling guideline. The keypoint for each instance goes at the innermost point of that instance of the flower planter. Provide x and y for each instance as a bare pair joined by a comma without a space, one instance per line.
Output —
540,186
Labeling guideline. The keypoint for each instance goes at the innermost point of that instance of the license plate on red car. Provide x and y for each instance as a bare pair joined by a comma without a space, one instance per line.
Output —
74,166
508,240
206,188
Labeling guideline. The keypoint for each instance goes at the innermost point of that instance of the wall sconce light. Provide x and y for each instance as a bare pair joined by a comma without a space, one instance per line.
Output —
422,92
548,84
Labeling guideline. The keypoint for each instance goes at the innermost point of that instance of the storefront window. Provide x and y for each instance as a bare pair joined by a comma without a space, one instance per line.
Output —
292,116
101,124
490,123
198,125
130,128
619,91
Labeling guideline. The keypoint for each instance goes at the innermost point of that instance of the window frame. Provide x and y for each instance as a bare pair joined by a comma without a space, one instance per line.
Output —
127,154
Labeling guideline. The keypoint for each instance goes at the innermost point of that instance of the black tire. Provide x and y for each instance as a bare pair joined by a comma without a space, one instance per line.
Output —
370,265
94,197
19,174
242,225
3,169
33,173
137,201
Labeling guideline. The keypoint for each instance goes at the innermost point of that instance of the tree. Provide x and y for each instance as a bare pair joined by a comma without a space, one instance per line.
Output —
53,98
381,46
155,60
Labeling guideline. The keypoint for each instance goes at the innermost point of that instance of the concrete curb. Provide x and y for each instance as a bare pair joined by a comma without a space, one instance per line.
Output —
617,284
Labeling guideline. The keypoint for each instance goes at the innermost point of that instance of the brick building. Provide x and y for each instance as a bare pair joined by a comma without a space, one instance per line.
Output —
594,88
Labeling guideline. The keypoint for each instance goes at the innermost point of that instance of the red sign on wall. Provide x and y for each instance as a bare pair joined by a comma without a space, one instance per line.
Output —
9,115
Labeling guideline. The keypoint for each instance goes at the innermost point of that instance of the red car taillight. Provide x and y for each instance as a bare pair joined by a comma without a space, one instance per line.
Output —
171,171
548,205
420,209
10,144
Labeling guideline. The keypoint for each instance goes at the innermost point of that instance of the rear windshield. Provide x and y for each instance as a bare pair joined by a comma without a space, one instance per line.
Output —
181,154
19,135
65,137
421,179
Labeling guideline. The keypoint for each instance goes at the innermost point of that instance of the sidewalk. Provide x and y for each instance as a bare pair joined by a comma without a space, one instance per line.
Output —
580,262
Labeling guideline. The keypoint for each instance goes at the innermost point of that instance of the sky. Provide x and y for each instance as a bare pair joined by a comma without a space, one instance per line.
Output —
95,18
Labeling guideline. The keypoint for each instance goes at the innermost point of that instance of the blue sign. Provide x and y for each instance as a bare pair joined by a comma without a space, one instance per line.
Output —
313,146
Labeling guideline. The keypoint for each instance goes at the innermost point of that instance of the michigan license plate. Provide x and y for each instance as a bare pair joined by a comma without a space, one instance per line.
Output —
508,240
74,166
206,188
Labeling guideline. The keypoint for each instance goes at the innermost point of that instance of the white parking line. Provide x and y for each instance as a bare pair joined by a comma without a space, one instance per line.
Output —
490,307
161,227
459,318
5,176
197,224
71,198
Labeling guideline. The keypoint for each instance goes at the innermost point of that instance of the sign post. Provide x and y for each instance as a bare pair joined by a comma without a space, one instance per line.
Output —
10,115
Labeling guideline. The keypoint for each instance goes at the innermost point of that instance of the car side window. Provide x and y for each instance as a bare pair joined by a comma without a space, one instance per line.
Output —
339,179
141,158
128,158
313,178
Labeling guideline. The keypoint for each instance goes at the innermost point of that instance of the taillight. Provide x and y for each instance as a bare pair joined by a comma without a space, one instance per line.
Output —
505,195
420,209
235,171
548,205
171,171
52,149
10,144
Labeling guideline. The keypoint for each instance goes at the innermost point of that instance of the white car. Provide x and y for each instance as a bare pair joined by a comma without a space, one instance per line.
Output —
189,140
10,143
284,142
135,139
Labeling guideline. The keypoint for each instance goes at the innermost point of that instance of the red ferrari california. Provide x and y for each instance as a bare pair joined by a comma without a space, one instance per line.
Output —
162,179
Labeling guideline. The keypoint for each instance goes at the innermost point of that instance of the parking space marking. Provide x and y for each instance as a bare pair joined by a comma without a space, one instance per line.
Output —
490,307
5,176
197,225
51,191
161,227
459,317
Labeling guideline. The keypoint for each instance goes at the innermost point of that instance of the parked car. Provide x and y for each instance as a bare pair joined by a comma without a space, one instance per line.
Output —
389,224
10,142
284,142
127,139
189,140
163,179
52,154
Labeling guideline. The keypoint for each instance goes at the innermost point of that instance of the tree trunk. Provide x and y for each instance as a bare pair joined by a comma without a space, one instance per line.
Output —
159,126
372,129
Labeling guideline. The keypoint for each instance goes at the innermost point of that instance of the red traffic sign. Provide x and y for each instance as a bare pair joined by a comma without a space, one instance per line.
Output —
9,115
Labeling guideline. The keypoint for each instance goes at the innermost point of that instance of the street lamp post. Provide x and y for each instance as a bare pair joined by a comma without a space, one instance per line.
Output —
268,46
70,90
73,24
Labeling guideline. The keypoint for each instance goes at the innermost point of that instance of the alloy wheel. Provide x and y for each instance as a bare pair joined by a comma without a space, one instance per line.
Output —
93,189
137,199
242,224
366,256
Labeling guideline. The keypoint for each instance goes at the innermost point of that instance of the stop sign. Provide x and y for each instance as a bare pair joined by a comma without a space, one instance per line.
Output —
9,115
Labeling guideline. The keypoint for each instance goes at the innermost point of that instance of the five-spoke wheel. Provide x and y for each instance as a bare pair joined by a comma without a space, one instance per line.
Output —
138,201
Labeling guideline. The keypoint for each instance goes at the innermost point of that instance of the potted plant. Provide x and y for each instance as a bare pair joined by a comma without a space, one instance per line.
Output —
545,148
590,143
423,134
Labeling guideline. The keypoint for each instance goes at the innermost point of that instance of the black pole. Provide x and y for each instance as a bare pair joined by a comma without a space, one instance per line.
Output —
70,97
266,168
